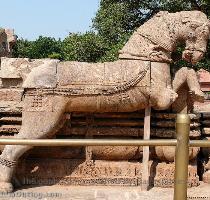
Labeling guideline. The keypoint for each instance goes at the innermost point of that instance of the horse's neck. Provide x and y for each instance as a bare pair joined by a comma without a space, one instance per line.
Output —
155,40
139,47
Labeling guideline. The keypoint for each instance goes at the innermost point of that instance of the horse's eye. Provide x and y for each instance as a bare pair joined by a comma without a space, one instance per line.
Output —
191,35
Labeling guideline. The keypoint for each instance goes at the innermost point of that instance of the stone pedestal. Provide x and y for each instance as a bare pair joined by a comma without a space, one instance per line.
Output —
78,172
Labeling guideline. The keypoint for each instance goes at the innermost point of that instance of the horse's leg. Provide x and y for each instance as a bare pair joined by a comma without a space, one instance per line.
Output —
36,124
192,81
188,75
180,78
161,94
161,98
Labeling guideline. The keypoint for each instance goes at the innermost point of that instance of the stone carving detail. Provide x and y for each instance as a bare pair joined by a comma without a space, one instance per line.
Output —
37,101
168,153
75,172
140,78
165,175
8,163
104,90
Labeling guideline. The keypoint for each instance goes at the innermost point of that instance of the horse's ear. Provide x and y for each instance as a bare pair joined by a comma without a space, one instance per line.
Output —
161,13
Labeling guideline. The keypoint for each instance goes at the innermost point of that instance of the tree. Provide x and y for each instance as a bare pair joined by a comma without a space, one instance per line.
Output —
43,47
87,47
22,48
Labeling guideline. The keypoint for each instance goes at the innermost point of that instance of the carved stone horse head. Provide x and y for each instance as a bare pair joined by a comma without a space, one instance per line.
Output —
158,37
196,36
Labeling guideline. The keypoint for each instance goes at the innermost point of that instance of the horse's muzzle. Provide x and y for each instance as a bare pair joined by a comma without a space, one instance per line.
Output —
192,56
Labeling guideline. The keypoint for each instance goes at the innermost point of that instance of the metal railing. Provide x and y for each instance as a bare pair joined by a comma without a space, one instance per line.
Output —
182,144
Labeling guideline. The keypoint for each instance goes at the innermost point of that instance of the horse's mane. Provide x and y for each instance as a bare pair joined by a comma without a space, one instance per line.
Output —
164,23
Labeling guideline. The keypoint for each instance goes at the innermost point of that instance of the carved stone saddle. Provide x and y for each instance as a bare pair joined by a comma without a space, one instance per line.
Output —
80,78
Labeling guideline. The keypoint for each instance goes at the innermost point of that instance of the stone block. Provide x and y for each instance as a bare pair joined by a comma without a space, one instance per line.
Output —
11,95
43,76
13,68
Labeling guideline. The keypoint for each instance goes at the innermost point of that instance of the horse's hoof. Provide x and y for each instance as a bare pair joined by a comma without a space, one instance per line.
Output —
199,96
6,187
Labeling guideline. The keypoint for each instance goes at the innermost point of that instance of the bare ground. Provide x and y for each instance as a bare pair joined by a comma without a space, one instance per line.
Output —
102,193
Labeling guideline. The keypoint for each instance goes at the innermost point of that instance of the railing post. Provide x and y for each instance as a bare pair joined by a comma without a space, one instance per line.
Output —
145,168
181,157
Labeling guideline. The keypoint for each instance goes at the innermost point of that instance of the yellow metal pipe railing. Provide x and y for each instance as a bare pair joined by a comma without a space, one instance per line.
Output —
88,142
181,157
199,143
100,142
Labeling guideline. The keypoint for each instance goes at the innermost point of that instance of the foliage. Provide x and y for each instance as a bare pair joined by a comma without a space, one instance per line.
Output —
87,47
43,47
111,54
22,48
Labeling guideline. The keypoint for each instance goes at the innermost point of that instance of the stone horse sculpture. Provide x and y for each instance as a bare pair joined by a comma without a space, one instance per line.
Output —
140,78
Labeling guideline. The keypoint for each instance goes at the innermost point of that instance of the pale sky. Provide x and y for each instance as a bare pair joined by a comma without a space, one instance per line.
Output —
55,18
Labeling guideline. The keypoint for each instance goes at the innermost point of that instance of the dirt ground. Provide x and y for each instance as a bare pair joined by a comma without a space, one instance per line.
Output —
102,193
